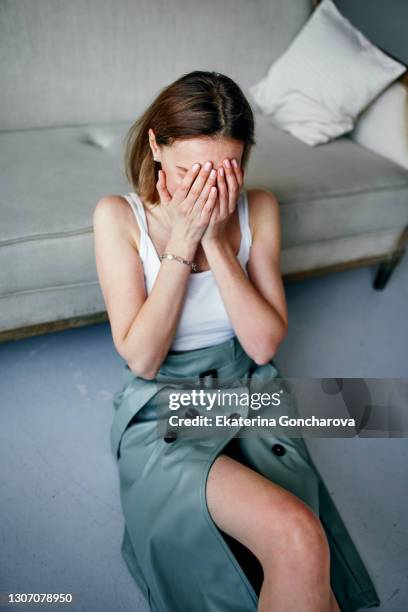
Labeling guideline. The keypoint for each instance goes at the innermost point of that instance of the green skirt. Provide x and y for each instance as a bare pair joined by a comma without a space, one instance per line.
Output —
179,558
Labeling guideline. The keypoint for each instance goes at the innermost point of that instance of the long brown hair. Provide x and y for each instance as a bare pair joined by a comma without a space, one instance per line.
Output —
199,103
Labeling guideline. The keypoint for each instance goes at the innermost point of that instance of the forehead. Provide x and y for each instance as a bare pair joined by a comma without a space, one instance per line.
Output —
186,152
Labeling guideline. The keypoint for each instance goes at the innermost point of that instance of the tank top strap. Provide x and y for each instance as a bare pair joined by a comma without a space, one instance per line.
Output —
140,214
246,218
138,210
246,238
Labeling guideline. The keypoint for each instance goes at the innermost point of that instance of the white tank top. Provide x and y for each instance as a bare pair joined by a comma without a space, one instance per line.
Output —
204,320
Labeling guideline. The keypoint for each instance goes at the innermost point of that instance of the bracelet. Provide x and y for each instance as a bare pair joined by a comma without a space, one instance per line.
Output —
192,265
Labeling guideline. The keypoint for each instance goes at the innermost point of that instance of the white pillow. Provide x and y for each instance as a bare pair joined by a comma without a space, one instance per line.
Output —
383,126
326,77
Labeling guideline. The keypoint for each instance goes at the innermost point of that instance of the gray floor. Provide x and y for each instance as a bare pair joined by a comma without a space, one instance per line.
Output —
61,520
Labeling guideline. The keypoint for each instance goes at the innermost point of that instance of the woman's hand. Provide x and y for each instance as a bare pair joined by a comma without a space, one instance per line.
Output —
189,210
229,182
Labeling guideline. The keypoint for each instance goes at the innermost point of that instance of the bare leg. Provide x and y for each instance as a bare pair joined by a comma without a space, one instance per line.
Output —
334,606
282,532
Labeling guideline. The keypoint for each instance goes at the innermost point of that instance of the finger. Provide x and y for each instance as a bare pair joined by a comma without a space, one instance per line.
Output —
161,186
239,173
207,210
202,199
223,193
184,186
233,186
198,185
215,213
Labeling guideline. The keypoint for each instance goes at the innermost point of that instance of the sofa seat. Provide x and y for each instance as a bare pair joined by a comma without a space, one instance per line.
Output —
331,197
330,191
51,180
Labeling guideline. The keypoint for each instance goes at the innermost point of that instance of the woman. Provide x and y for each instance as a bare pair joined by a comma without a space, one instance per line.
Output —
189,267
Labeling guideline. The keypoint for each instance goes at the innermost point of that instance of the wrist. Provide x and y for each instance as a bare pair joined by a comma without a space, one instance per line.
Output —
185,248
213,242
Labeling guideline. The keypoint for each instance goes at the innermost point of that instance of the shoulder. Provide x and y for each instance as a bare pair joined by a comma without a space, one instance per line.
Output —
111,206
114,211
263,211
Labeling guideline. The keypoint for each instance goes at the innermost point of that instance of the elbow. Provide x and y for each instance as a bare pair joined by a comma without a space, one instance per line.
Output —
142,371
138,366
267,349
263,358
263,353
150,374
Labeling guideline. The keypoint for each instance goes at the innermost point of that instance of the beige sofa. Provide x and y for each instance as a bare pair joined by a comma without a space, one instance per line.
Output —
75,75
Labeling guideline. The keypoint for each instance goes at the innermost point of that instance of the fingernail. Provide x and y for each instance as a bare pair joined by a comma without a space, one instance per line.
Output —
221,171
213,173
235,163
196,167
227,163
208,165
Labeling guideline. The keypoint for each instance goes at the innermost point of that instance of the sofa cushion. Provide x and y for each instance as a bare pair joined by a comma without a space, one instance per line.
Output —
336,190
75,62
383,126
51,180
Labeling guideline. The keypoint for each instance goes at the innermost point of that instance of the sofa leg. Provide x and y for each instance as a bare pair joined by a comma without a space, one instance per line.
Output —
386,268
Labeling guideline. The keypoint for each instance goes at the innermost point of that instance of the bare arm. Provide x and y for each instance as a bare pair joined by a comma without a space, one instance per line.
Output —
256,305
143,326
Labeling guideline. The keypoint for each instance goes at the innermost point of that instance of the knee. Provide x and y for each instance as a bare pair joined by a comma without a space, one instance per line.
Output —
306,536
299,538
